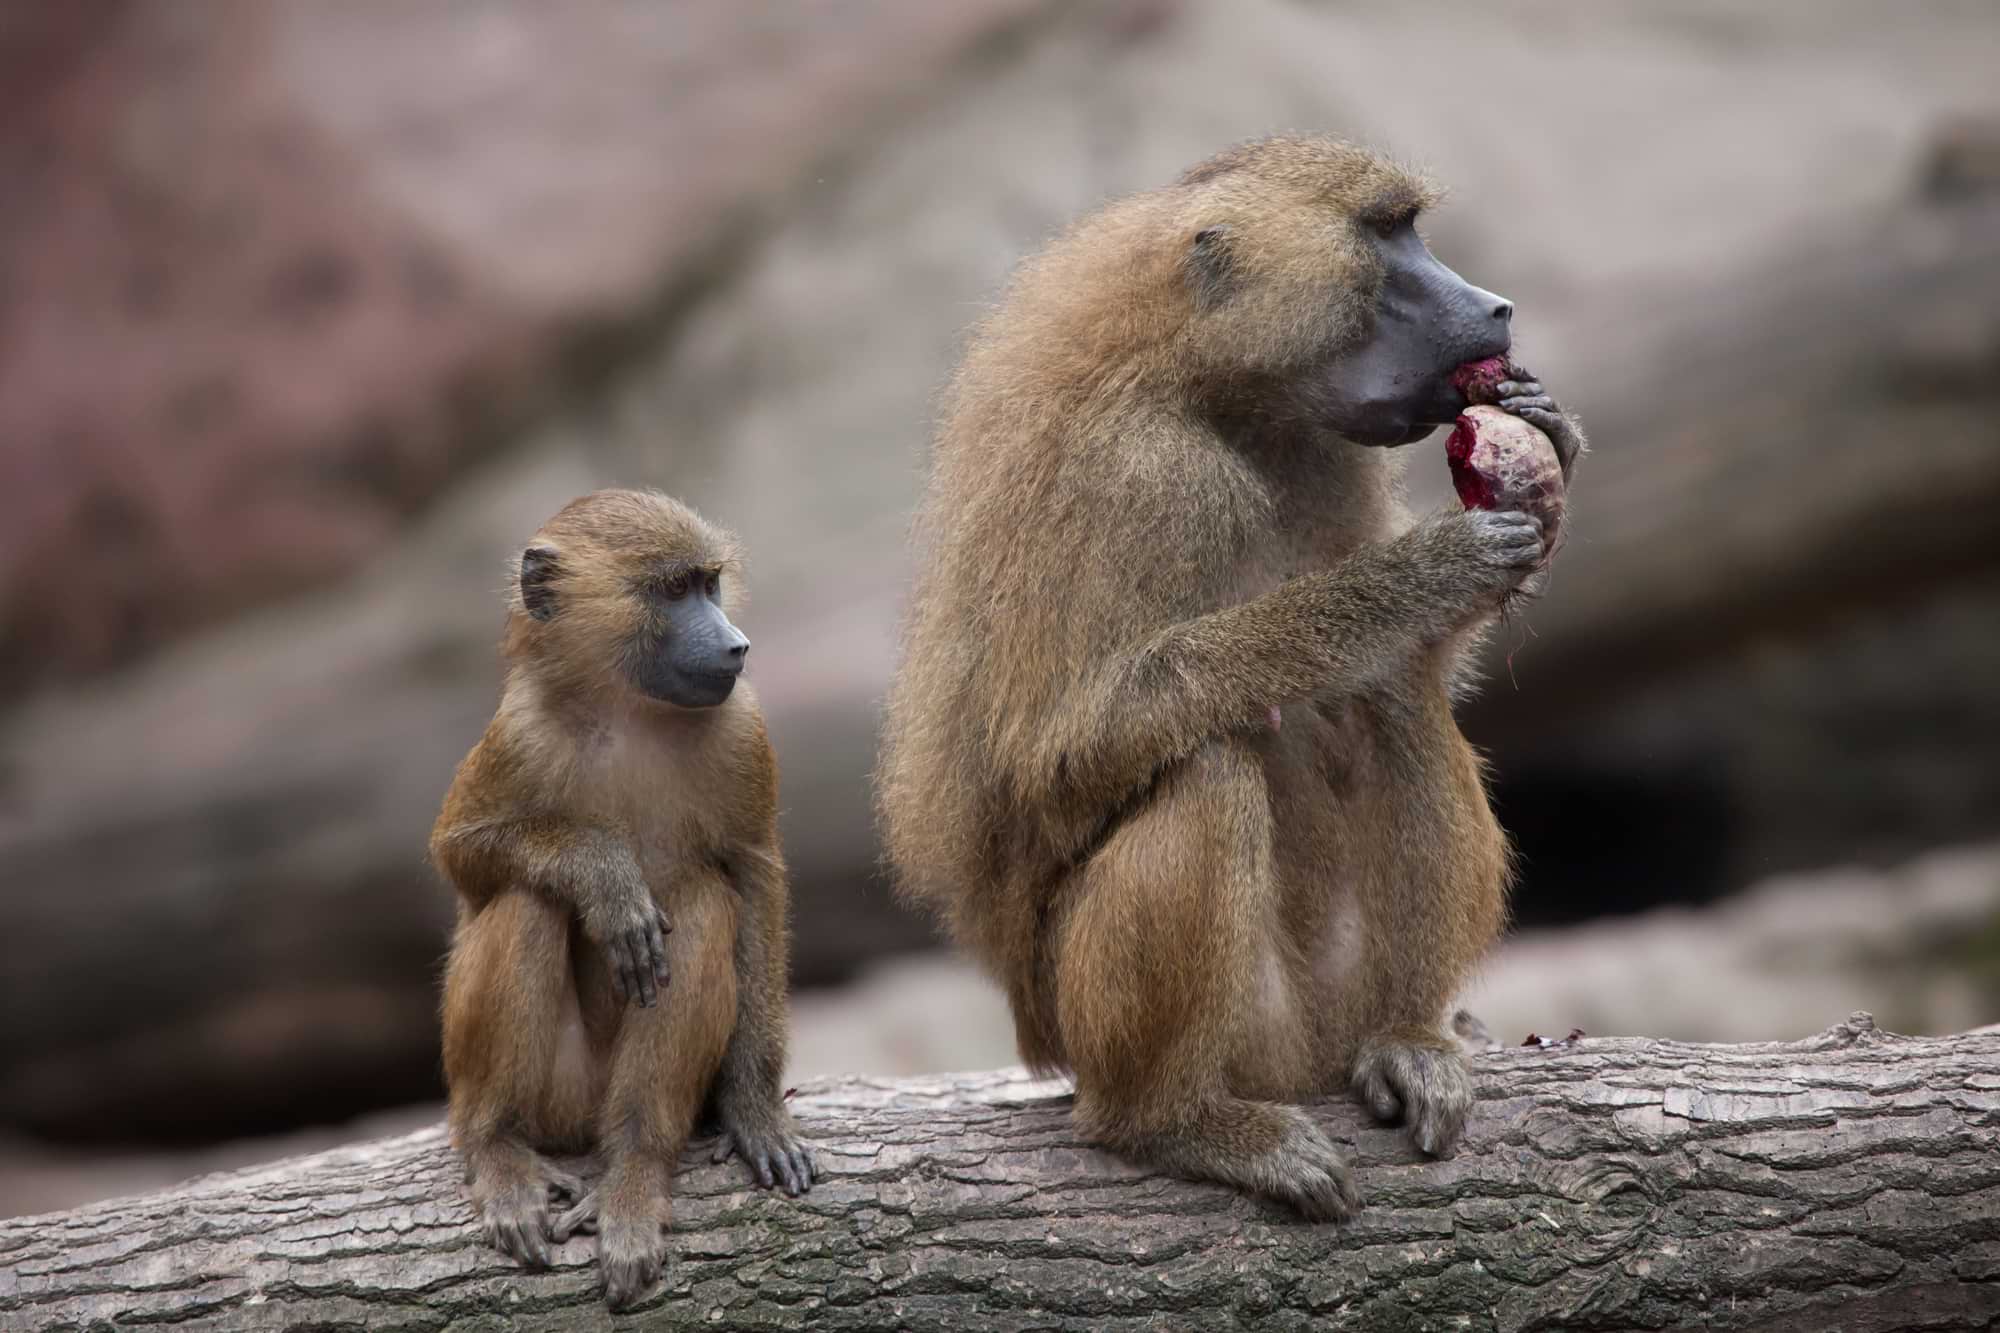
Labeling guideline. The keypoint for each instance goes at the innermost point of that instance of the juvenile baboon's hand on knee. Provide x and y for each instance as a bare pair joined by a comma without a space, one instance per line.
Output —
632,931
1422,1084
770,1147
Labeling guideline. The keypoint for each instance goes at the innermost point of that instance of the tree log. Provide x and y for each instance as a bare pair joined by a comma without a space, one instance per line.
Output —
1846,1181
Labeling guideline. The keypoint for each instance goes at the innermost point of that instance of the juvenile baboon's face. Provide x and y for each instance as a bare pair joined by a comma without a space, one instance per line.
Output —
626,588
684,651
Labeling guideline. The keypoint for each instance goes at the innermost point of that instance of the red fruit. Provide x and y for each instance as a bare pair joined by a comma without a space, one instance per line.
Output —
1480,381
1500,462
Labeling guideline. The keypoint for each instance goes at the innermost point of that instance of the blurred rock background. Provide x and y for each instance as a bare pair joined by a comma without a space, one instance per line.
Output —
311,311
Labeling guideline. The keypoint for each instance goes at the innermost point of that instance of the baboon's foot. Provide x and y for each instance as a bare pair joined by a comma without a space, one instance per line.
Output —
579,1219
1263,1147
1474,1037
1306,1172
632,1251
512,1187
1418,1082
769,1145
630,1211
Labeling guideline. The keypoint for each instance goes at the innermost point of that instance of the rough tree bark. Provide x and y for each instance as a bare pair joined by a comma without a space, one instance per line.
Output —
1849,1181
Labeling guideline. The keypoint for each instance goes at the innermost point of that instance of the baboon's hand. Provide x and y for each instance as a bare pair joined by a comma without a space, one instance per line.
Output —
1523,396
1472,557
632,931
770,1147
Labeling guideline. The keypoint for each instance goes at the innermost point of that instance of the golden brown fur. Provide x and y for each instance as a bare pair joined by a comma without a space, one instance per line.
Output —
1133,547
586,802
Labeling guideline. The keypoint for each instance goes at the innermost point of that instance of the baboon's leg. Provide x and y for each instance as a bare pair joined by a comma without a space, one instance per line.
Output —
1174,998
661,1072
517,1064
1428,914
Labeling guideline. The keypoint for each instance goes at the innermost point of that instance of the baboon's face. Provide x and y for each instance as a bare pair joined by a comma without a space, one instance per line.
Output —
625,590
1393,385
684,651
1309,280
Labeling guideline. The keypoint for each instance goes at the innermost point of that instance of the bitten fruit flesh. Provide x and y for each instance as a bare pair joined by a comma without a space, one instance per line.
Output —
1480,381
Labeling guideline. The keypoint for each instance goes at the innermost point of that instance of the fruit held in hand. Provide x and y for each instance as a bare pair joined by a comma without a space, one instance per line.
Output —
1500,462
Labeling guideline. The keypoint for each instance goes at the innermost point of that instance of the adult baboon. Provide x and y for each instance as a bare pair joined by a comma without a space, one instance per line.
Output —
1171,748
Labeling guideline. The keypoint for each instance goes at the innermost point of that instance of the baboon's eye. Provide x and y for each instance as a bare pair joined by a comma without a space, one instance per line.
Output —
1387,227
677,586
714,585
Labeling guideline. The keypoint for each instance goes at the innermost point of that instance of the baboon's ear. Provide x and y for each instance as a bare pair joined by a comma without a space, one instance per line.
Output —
539,568
1210,269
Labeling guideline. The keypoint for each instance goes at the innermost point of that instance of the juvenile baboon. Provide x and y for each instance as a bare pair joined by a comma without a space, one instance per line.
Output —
1171,748
619,963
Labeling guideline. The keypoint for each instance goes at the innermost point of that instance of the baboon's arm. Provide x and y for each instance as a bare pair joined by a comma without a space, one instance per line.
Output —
1336,631
756,1060
547,853
749,1091
591,870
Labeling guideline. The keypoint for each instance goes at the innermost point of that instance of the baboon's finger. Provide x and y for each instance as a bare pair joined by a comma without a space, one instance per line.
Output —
656,948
